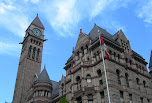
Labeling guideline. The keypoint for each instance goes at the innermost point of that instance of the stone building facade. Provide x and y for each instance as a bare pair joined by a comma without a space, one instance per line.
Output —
128,78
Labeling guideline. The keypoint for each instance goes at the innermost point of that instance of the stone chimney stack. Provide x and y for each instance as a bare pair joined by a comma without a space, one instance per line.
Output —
80,30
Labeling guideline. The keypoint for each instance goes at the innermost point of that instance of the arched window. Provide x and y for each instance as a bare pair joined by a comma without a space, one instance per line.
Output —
39,43
88,80
126,60
127,81
137,80
130,62
114,54
99,72
82,50
144,83
100,75
110,52
118,76
34,49
94,55
118,56
86,46
29,51
78,80
90,98
38,53
102,97
78,53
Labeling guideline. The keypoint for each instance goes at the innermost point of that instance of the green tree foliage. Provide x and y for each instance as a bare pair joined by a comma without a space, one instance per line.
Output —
63,100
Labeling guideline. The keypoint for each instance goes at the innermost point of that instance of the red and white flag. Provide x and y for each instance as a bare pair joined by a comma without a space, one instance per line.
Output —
104,46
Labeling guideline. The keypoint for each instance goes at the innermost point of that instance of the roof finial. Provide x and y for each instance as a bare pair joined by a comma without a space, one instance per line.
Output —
44,66
80,30
73,50
62,76
37,14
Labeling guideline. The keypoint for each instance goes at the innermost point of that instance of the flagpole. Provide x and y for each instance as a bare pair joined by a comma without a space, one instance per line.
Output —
105,71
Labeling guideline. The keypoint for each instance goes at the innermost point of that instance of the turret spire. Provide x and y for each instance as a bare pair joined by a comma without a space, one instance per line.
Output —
37,22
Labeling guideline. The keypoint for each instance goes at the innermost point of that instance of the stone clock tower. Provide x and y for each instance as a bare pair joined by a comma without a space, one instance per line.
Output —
30,59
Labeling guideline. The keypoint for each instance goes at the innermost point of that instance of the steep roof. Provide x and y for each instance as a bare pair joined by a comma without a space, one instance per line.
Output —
150,62
55,86
43,77
94,34
37,22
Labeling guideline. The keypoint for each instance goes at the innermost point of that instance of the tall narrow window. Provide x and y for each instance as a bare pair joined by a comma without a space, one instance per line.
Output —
78,83
102,97
148,100
99,72
127,81
90,98
121,97
144,83
88,80
118,76
130,98
137,80
79,99
34,49
141,99
82,50
29,52
38,53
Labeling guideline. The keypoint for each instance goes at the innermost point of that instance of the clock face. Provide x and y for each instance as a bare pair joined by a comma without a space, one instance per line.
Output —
36,32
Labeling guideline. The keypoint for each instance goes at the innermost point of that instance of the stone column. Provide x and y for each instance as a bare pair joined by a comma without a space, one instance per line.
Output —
97,57
112,56
85,54
126,97
122,59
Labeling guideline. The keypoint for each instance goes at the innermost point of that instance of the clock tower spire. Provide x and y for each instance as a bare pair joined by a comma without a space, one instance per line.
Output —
30,59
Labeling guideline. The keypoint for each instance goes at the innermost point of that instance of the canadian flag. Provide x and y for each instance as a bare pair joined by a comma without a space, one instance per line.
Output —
104,47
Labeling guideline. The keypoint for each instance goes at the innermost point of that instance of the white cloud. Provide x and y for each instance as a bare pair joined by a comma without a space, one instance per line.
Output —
35,1
4,7
12,19
9,48
145,12
98,7
64,16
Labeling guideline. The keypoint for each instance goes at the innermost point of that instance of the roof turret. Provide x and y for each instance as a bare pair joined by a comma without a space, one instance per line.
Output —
43,77
37,22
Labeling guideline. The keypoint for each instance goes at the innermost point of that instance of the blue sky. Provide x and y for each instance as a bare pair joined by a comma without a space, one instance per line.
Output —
63,20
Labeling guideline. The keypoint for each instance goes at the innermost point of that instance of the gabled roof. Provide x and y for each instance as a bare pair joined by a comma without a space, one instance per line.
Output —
150,62
37,22
94,34
43,77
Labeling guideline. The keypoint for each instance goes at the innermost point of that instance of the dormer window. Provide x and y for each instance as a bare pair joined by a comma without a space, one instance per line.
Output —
125,46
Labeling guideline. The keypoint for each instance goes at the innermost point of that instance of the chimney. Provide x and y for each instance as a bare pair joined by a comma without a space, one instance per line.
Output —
80,30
